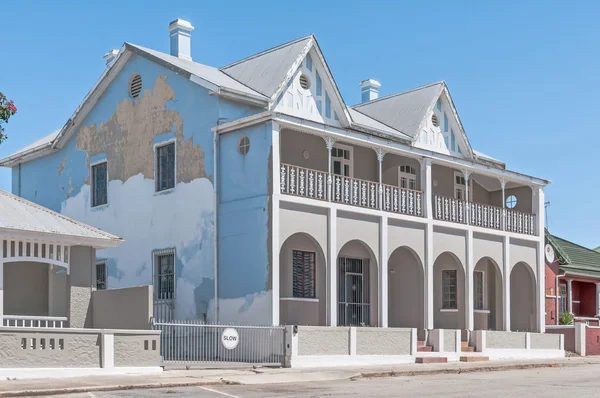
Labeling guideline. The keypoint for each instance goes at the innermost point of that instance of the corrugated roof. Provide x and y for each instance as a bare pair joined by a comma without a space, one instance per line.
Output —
20,214
208,73
366,121
575,258
265,71
403,111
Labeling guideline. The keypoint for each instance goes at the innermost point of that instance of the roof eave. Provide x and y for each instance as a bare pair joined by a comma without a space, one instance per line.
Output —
71,240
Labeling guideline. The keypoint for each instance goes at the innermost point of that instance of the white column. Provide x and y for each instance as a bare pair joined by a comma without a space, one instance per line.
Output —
428,290
469,282
329,143
383,272
275,224
1,291
503,184
541,263
570,295
333,267
380,154
506,284
597,299
467,174
426,187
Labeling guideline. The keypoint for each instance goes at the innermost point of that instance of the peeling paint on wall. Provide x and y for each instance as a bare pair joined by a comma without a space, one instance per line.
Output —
61,167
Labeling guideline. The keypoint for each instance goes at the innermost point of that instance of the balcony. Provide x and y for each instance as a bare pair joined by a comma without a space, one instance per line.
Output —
314,184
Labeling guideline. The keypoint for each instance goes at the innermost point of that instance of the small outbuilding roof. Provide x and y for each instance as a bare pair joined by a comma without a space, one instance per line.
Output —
574,258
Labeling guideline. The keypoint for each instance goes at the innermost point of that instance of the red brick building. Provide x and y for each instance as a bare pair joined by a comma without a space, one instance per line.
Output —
572,281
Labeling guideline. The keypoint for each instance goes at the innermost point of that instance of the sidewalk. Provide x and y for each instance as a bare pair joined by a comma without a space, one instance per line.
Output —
197,377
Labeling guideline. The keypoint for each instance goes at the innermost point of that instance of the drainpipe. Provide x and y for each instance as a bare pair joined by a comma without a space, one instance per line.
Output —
216,140
558,276
19,186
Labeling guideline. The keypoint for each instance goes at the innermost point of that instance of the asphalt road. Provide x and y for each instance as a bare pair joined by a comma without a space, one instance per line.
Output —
544,382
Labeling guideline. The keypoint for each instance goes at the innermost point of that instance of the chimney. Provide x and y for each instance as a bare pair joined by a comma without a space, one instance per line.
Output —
110,56
369,89
181,33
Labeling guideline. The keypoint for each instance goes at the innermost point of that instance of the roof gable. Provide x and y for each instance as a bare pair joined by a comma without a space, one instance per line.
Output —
574,257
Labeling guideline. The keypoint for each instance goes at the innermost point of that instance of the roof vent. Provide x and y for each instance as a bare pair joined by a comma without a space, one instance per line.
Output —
181,38
435,121
135,86
369,89
304,82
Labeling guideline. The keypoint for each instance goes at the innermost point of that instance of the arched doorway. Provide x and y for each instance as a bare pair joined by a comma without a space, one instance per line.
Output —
302,282
357,280
405,289
487,295
522,298
449,292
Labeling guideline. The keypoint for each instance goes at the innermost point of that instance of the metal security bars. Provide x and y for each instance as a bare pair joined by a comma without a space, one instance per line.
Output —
353,292
100,274
164,283
191,343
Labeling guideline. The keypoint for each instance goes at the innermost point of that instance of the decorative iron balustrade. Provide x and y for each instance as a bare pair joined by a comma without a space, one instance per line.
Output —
303,182
353,191
522,223
402,200
486,216
449,209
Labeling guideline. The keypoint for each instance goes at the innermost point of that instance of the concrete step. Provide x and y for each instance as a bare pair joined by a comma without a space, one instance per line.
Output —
421,343
474,359
426,348
431,360
464,343
467,349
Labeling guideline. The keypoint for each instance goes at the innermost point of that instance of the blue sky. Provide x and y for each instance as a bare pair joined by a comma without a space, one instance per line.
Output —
522,73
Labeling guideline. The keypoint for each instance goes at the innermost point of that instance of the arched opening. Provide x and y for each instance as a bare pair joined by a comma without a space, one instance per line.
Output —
405,289
487,295
522,298
357,285
302,282
449,292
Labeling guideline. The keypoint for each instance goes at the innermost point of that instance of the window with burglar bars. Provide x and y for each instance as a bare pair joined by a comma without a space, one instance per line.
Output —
164,265
99,184
165,167
100,274
478,286
303,264
563,299
449,287
353,292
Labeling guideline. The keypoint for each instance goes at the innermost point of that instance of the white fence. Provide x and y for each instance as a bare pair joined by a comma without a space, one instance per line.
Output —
21,321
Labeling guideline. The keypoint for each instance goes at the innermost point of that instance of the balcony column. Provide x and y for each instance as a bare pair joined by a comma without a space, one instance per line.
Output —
329,141
539,211
2,289
503,184
380,154
506,282
570,295
597,299
467,174
426,184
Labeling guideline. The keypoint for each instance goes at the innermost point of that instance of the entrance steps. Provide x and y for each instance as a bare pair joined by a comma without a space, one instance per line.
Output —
422,347
472,358
431,360
465,347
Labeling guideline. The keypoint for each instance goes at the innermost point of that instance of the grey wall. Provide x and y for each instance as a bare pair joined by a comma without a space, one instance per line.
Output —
449,240
137,350
492,297
522,299
524,251
541,341
127,308
293,145
488,246
401,233
26,288
445,180
315,340
443,319
505,340
302,312
57,293
82,283
405,290
523,195
383,341
390,165
480,194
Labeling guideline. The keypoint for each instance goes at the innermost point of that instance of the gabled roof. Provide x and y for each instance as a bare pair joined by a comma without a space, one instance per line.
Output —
361,120
575,258
265,71
18,216
403,111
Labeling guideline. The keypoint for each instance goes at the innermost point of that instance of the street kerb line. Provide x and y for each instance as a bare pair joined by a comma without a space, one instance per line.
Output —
219,392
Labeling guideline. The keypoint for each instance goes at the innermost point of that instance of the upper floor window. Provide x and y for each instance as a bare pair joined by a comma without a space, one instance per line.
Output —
563,298
439,105
341,160
164,274
319,86
309,62
165,167
452,141
327,106
445,122
303,264
511,202
99,184
449,290
407,177
460,188
100,274
478,290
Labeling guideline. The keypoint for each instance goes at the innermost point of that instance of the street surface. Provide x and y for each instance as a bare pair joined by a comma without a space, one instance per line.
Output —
543,382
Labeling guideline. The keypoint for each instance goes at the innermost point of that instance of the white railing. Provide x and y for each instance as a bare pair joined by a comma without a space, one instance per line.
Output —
402,200
523,223
303,182
353,191
22,321
449,209
486,216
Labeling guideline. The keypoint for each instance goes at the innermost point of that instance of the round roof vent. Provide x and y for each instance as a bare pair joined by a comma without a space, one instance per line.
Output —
435,121
304,82
135,86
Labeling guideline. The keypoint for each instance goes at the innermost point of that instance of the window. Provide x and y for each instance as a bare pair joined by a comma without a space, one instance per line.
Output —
303,265
439,105
445,122
165,170
478,294
319,86
309,62
449,289
164,261
407,177
327,106
452,141
341,160
244,145
563,298
99,184
100,274
511,201
460,187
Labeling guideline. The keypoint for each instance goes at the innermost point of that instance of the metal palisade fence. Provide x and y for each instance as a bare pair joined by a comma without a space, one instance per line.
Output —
195,343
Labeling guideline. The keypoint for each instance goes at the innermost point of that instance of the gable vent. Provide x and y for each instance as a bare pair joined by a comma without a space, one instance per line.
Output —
435,121
304,82
135,86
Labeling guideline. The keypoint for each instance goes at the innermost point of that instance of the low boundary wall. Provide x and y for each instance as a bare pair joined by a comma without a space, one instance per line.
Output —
518,345
568,331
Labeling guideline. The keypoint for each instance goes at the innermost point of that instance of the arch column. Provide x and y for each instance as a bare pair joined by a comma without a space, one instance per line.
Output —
383,272
470,268
506,282
332,271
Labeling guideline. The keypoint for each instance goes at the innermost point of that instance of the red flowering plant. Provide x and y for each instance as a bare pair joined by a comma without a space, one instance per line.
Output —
7,109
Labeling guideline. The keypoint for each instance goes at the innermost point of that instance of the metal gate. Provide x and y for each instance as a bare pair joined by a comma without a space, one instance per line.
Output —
353,292
190,343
